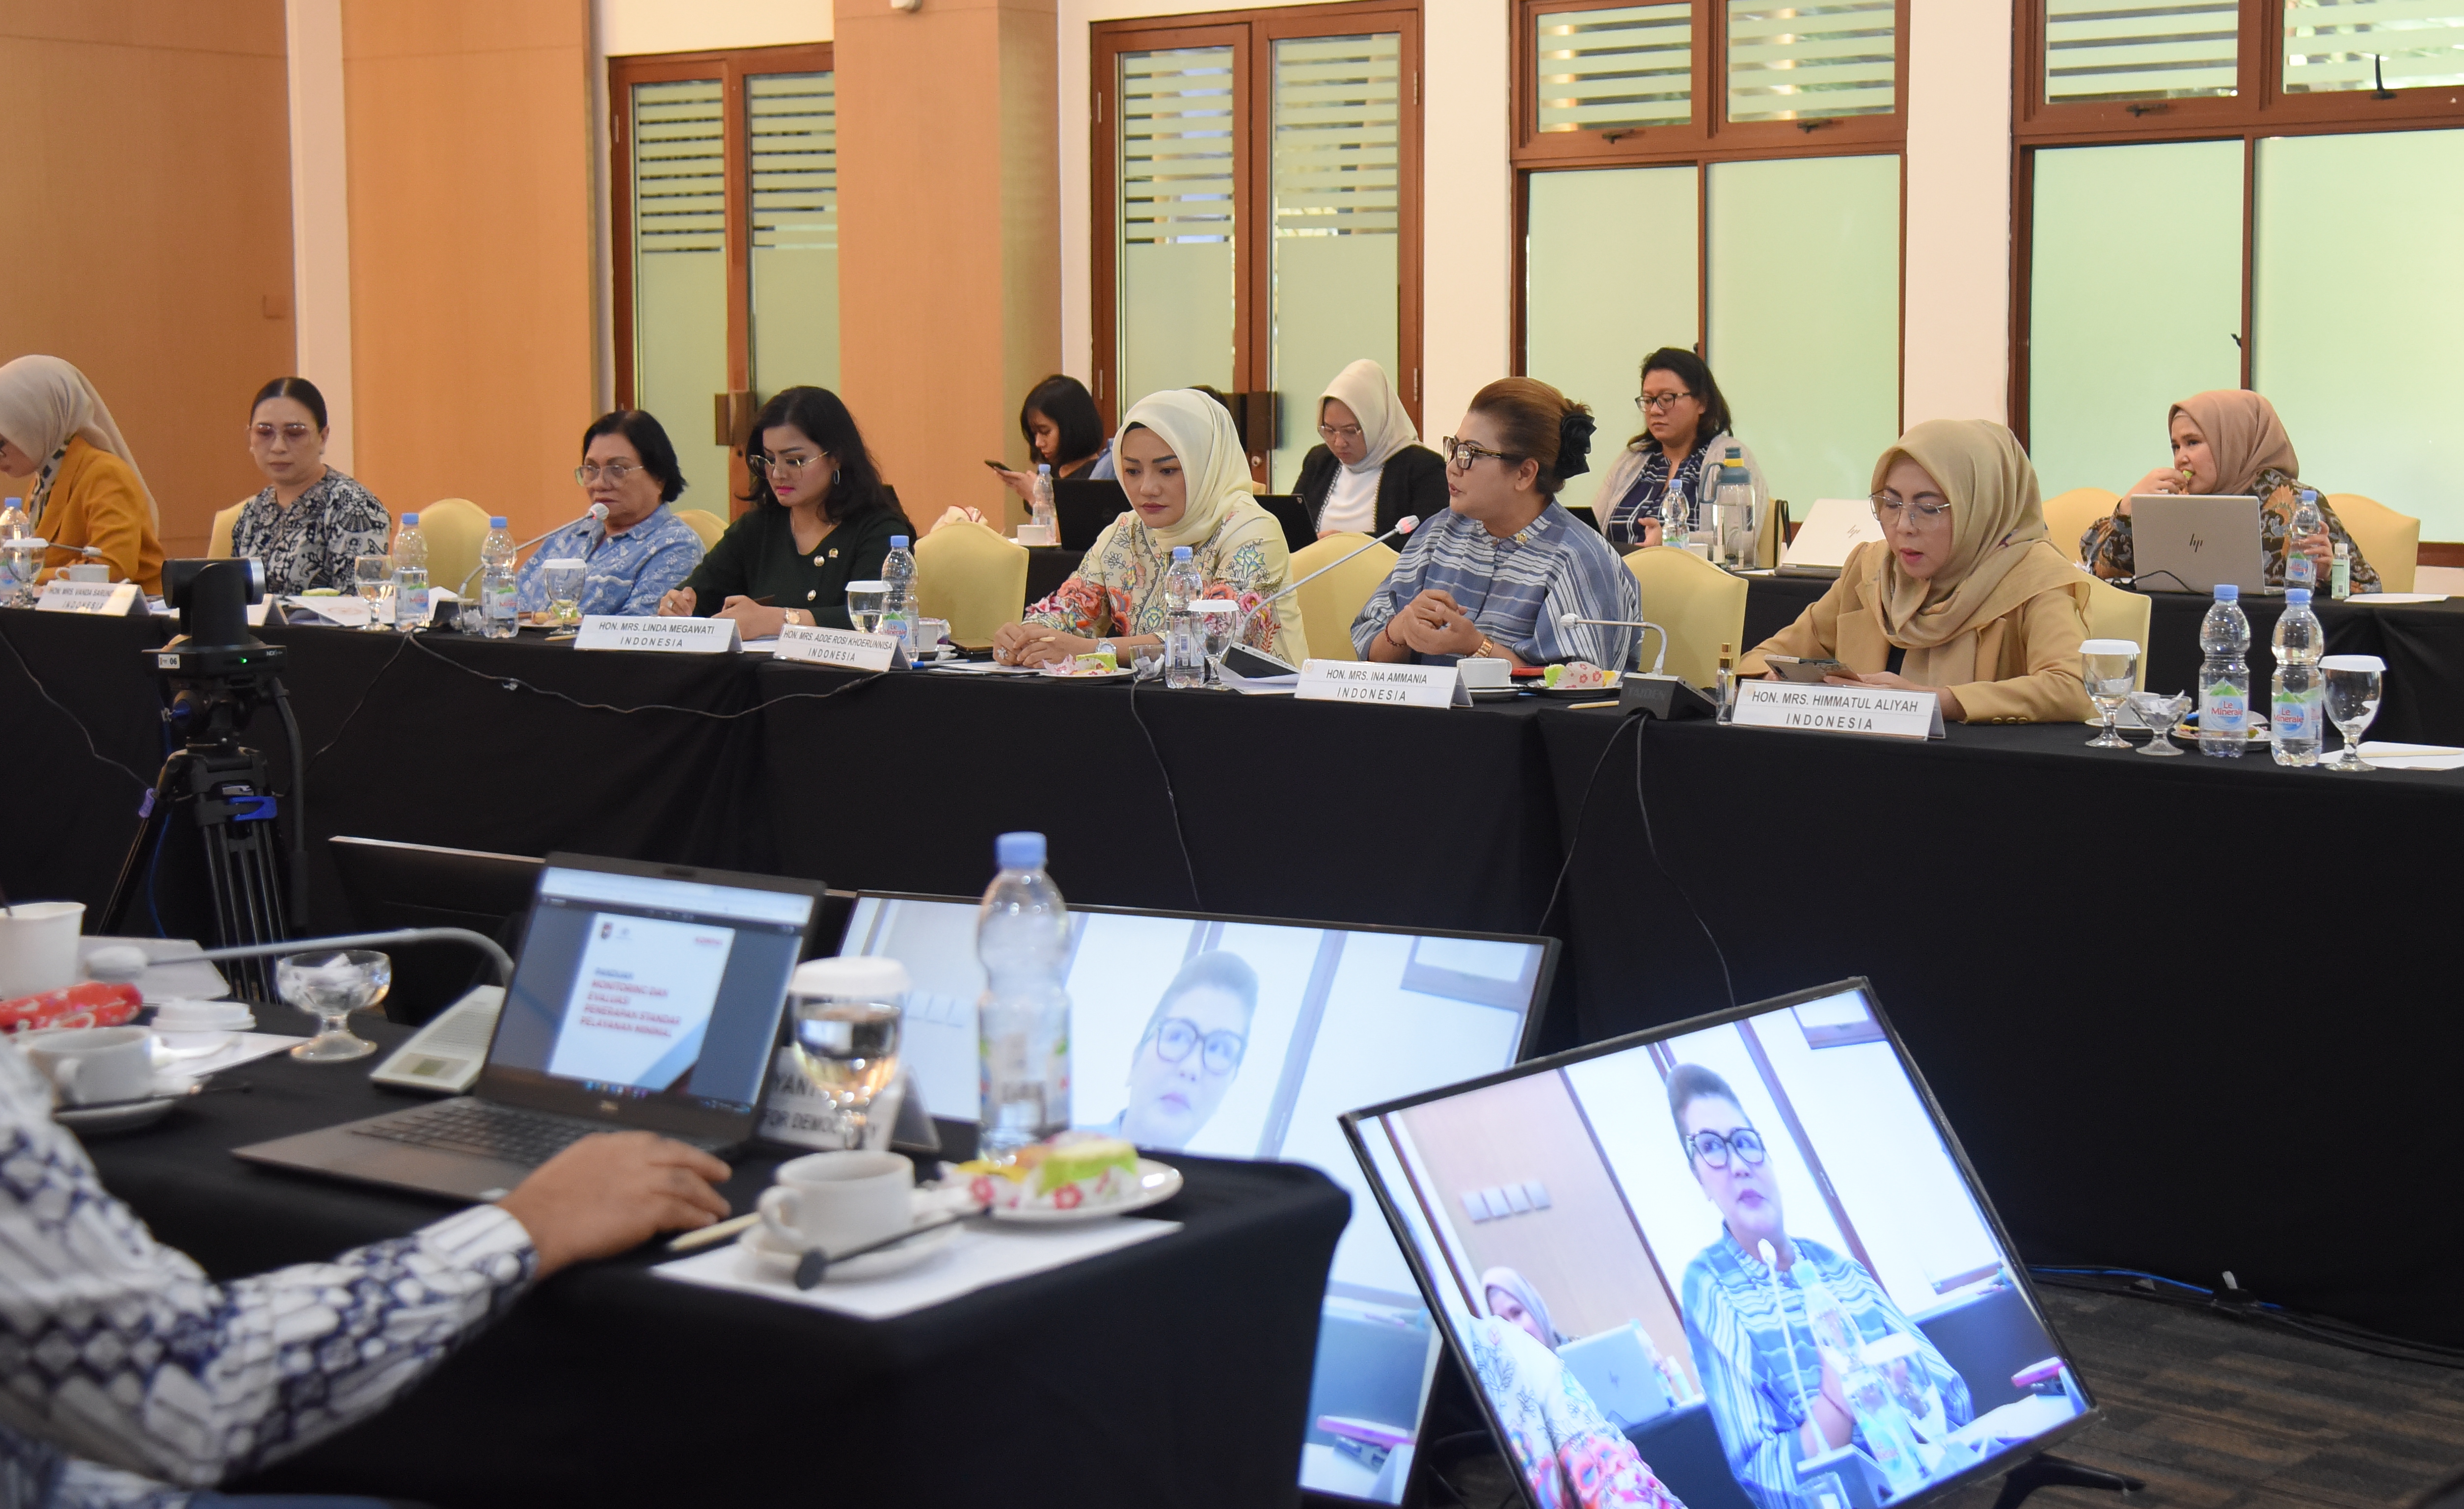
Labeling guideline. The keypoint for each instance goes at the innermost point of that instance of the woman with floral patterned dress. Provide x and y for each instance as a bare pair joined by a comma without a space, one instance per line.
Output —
1182,465
311,520
1567,1453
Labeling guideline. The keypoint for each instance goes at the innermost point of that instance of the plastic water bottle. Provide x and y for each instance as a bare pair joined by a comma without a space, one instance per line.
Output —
1023,1018
409,577
1039,507
1184,638
1881,1421
898,606
13,523
2298,687
1676,516
1732,511
498,613
2299,570
2224,680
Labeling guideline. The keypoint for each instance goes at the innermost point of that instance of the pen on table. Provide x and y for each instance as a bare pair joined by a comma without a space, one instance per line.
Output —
715,1232
1578,706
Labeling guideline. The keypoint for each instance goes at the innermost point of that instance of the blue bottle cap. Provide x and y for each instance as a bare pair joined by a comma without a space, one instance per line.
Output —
1019,851
1180,552
2227,592
496,521
15,503
410,521
2293,595
898,543
1043,469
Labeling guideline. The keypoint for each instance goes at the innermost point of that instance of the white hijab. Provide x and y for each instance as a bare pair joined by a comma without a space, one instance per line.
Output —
44,403
1214,470
1364,390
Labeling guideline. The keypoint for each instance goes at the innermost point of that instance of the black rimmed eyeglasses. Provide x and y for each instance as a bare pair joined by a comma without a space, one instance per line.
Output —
1714,1149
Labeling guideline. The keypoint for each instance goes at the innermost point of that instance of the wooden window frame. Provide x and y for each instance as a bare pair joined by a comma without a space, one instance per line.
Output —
1251,34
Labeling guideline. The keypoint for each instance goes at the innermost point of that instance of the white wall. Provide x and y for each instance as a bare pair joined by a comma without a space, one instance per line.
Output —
1957,299
320,214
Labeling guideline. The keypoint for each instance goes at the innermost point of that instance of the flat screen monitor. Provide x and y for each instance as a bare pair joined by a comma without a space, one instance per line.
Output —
1278,1027
1592,1228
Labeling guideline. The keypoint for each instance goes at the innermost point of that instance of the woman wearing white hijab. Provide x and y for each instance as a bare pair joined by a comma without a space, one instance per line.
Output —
1182,465
54,427
1371,469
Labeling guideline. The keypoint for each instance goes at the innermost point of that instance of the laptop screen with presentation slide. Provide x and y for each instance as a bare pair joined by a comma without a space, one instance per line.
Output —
654,989
1237,1038
1590,1226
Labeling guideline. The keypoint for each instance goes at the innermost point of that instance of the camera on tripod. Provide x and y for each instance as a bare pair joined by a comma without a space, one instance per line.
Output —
216,670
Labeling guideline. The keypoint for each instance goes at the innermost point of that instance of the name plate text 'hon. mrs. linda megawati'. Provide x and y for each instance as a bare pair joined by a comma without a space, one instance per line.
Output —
842,647
1885,711
1393,686
659,636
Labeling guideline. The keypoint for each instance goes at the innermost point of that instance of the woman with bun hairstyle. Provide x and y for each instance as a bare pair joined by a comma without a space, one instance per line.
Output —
1500,570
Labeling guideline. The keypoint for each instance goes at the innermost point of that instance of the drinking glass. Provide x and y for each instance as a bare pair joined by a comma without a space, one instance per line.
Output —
2111,669
372,580
866,602
330,986
562,579
2159,712
843,1017
2353,689
24,563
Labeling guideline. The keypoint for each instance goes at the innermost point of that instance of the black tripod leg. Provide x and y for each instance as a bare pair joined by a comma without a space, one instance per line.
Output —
151,817
2054,1472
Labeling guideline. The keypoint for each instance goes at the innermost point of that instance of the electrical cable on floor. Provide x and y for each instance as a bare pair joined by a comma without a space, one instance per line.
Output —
1170,799
1581,809
2133,1283
1652,844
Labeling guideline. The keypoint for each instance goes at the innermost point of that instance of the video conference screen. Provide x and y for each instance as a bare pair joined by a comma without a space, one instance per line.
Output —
1738,1266
1249,1039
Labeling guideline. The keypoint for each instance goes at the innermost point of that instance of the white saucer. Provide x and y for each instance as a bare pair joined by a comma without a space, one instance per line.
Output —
772,1260
1157,1182
126,1116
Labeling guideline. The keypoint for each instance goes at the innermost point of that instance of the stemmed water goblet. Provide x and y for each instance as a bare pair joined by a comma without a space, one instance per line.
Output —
22,564
329,986
2159,712
2353,690
562,580
372,579
2110,667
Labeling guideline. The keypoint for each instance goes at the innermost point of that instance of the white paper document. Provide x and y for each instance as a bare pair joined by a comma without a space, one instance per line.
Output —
2413,756
2391,598
983,1253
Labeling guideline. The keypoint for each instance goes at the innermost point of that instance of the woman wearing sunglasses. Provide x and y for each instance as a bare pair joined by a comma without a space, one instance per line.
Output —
1684,434
1191,1051
1963,596
1776,1397
822,517
642,549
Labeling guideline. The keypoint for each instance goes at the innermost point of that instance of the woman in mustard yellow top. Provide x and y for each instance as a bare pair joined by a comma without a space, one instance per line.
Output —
55,428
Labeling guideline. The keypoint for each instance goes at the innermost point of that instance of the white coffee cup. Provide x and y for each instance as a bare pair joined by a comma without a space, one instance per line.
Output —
1034,535
39,947
92,1065
838,1201
1484,672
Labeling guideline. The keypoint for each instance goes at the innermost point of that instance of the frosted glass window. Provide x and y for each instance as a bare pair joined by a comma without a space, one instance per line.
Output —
1337,219
2122,325
1805,316
2141,49
1615,70
792,120
1176,221
1610,263
1802,63
2353,44
680,271
2358,313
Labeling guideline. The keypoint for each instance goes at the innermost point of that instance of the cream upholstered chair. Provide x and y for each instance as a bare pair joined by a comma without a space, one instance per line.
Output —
2115,614
1699,606
1329,604
969,574
2068,514
2388,540
454,529
218,539
705,524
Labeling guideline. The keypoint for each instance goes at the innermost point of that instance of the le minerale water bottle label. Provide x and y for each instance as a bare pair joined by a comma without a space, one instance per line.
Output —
2224,708
2301,571
2296,716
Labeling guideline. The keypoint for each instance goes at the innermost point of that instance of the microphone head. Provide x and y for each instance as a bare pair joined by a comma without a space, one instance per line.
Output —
599,513
1569,619
1407,523
1769,1257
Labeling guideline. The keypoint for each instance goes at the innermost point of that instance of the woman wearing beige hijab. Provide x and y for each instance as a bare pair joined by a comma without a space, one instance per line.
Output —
1187,478
2230,444
1372,469
54,427
1963,596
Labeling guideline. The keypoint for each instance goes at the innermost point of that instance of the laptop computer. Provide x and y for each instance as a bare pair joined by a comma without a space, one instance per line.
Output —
1831,530
1670,1158
1298,533
647,997
1615,1369
1085,509
2187,542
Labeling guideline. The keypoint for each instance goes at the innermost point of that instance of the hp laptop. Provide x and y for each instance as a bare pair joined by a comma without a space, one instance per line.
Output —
1671,1160
1835,527
647,997
2184,542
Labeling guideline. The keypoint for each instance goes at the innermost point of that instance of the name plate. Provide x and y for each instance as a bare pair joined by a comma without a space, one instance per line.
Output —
117,598
342,612
842,647
796,1113
1839,709
1393,686
659,636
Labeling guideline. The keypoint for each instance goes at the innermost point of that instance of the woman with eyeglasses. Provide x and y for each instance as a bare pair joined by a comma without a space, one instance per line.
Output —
1684,435
642,549
822,517
311,520
1371,469
1191,1051
86,498
1776,1398
1963,596
1498,572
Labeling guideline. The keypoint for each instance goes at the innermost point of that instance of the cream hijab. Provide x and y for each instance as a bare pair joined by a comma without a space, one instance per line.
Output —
1999,555
1213,468
1515,1283
2244,436
1363,388
45,403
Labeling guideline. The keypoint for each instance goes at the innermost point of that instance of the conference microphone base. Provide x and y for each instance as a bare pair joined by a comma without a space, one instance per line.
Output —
1666,697
2043,1471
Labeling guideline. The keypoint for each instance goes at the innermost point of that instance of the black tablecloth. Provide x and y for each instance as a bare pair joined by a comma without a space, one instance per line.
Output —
1173,1371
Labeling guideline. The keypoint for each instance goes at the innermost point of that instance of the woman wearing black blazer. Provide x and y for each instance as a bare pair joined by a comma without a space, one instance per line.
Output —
1371,471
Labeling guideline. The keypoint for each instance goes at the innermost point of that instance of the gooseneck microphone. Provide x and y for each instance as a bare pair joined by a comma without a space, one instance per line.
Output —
1402,526
597,515
1569,619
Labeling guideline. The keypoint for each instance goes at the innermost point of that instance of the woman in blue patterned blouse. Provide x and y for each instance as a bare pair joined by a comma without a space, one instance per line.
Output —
632,558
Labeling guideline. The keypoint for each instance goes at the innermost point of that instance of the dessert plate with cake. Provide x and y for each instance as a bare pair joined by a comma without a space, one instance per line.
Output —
1076,1176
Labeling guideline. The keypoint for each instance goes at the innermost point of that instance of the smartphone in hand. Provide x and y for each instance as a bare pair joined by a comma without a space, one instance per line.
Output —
1807,671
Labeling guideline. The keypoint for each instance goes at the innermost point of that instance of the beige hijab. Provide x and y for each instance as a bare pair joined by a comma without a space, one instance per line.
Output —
45,403
1213,466
2243,434
1363,388
1999,555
